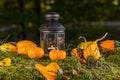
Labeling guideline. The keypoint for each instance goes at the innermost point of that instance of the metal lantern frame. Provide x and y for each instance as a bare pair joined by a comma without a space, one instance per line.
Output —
52,33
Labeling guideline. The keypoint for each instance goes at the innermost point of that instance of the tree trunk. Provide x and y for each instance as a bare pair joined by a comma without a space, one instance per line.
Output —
37,10
22,26
37,7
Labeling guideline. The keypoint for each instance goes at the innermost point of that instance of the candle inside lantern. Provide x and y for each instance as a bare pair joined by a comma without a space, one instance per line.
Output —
42,43
51,44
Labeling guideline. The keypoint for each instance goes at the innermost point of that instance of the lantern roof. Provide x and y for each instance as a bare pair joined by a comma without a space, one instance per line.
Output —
51,23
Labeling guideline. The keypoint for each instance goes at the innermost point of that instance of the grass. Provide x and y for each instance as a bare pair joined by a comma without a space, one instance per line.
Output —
106,68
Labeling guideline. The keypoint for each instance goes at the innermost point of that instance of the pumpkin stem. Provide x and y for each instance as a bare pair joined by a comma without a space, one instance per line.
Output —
33,62
117,44
101,37
70,46
56,48
83,38
66,77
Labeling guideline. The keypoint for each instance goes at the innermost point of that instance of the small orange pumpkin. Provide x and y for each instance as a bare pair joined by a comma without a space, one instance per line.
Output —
57,54
36,52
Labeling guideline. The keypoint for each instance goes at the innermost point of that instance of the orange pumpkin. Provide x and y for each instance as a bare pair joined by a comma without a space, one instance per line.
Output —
36,52
26,43
23,49
57,54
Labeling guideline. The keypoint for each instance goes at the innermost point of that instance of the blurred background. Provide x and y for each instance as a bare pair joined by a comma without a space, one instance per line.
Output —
21,19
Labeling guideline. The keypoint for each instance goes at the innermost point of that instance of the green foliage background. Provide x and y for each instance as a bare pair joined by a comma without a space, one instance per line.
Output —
24,17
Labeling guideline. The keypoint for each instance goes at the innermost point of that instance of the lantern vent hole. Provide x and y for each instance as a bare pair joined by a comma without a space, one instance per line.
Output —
58,25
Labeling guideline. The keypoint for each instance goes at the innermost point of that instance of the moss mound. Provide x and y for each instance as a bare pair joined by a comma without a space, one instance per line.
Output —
22,68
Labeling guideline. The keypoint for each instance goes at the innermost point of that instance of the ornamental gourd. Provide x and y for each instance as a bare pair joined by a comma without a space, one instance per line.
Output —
36,52
8,47
77,55
109,45
6,62
90,48
57,54
49,71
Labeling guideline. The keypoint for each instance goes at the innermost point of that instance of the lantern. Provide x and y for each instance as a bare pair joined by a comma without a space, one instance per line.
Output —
52,33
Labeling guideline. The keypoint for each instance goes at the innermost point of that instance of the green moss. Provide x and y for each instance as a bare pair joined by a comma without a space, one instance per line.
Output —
22,68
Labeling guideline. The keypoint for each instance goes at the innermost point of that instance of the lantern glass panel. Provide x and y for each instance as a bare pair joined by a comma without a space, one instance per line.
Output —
60,41
51,41
42,40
